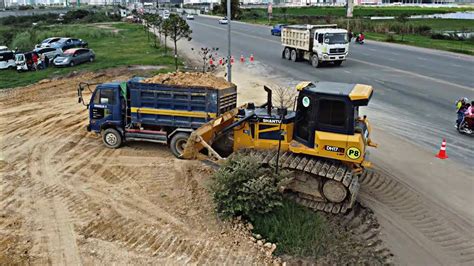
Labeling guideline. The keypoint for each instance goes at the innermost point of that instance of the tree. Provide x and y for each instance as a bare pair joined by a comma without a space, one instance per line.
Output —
176,28
402,18
147,18
236,12
156,23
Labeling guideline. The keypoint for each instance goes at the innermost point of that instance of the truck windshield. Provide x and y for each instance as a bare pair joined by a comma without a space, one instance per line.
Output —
333,38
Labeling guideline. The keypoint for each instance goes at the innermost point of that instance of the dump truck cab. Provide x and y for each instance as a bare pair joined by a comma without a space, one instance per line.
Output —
106,108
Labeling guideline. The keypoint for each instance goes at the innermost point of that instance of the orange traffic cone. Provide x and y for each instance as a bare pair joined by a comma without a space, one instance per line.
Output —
251,57
442,151
232,60
221,61
242,59
211,62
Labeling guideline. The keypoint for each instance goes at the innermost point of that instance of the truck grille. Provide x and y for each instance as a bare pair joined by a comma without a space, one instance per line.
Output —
337,50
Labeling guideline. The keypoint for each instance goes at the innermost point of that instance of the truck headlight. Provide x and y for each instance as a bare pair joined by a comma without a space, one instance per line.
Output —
325,56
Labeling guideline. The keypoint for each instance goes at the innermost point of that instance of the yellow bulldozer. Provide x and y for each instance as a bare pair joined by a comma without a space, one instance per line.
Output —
322,142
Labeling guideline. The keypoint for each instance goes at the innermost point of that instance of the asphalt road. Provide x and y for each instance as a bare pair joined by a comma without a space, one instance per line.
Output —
415,88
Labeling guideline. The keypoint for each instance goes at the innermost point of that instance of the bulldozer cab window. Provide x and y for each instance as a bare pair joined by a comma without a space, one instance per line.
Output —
332,113
305,122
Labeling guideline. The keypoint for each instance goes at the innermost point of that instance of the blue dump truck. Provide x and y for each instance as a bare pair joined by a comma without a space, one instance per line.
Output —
137,110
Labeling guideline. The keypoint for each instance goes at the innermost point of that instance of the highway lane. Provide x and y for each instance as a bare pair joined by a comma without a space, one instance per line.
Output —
415,88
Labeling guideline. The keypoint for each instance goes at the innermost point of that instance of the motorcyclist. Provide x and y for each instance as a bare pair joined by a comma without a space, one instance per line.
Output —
470,110
360,38
461,107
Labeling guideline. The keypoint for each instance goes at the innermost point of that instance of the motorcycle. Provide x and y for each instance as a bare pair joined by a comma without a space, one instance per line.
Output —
360,40
467,125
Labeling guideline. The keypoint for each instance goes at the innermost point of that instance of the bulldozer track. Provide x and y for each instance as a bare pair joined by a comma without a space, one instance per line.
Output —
323,168
403,201
359,220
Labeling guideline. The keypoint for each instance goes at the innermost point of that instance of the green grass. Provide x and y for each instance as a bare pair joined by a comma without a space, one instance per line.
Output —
464,47
445,24
127,47
296,230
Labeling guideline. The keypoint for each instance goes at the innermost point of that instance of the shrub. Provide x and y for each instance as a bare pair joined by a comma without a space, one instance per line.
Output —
422,29
390,37
23,41
242,186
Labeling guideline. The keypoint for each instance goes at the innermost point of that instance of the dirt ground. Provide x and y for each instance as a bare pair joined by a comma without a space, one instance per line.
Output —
66,199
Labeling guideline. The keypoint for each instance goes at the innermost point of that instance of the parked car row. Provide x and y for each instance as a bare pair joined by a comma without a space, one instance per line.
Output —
56,51
62,43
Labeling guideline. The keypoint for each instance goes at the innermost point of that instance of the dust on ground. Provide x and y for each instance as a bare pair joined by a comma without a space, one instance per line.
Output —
190,79
66,199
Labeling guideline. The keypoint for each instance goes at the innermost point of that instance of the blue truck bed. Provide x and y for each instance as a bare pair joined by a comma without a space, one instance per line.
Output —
177,106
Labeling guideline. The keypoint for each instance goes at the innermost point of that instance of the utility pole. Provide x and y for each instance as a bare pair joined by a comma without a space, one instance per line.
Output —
229,65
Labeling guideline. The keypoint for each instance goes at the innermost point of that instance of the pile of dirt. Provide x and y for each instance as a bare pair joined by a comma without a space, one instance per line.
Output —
190,79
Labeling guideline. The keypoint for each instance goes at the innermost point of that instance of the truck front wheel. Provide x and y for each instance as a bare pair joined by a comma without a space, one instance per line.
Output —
315,60
178,143
287,53
111,138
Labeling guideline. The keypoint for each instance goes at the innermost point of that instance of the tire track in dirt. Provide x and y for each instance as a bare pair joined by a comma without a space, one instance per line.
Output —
133,199
420,214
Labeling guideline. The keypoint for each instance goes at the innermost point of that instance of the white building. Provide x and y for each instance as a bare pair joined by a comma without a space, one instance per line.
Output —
201,1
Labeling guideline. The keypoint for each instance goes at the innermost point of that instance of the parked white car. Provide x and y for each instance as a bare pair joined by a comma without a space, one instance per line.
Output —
224,21
7,60
50,52
47,42
190,16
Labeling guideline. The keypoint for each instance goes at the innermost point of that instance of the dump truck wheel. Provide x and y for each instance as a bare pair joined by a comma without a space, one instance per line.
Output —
294,56
287,53
178,143
112,138
315,61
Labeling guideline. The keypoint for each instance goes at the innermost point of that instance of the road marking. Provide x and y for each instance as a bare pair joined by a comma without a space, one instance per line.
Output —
361,61
414,74
422,58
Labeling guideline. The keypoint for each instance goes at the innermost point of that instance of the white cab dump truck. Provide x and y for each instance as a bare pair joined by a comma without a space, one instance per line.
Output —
315,43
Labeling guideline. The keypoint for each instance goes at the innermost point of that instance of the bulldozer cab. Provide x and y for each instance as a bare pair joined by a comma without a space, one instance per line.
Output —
328,107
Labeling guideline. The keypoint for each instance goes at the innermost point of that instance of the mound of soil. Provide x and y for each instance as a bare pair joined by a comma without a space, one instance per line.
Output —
190,79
